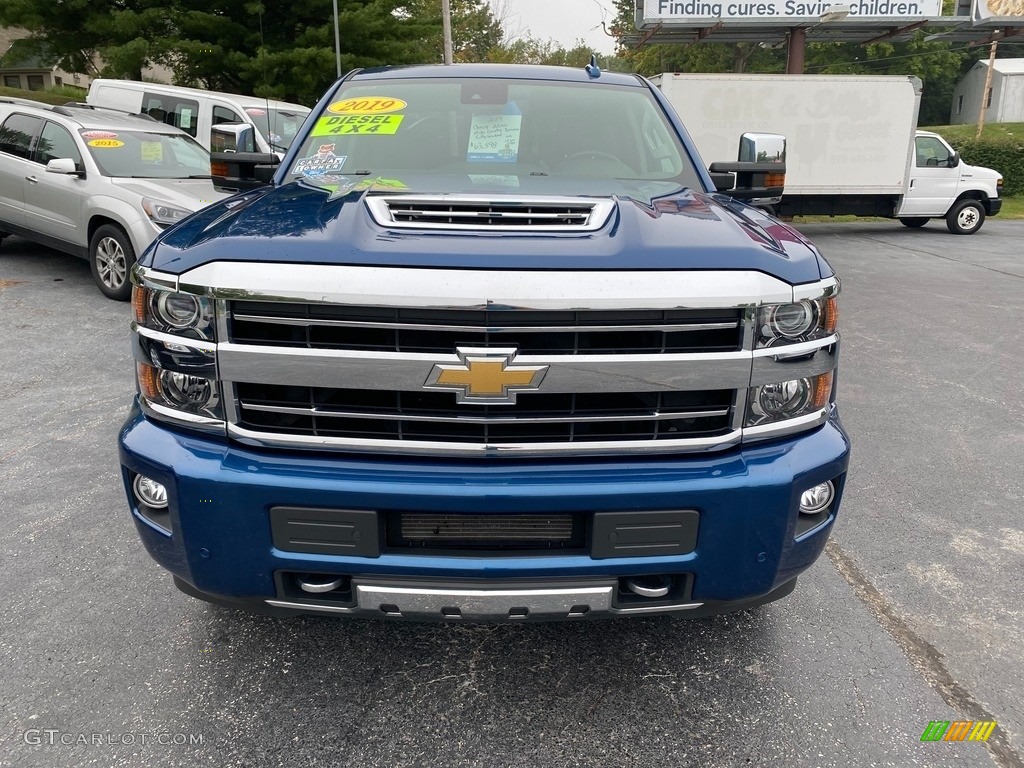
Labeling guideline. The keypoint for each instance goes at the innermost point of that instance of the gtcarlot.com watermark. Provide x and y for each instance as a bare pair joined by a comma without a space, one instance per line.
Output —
55,737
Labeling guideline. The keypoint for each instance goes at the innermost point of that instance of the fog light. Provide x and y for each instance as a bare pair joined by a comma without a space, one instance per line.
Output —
184,390
814,500
150,492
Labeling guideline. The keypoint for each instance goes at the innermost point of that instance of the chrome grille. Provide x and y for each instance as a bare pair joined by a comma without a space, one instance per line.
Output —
386,329
434,416
489,213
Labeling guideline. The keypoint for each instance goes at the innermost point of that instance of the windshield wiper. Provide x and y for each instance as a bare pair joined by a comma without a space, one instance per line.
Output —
200,176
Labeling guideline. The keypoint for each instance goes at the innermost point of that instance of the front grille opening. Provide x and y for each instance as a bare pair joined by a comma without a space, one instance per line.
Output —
455,532
435,416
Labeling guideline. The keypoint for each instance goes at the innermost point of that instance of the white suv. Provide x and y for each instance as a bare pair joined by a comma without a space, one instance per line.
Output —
97,183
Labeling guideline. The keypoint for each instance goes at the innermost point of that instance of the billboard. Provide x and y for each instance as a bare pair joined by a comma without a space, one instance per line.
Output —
688,11
995,10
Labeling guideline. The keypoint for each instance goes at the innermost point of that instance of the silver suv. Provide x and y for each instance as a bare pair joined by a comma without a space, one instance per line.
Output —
97,183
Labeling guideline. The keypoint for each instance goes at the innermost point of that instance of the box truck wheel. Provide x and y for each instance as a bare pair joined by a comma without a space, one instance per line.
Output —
913,222
965,217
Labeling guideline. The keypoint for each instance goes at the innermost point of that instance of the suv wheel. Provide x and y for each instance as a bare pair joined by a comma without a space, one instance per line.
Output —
111,257
913,221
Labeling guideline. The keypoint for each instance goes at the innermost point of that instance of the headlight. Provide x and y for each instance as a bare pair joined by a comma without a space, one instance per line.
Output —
784,400
182,314
180,392
800,321
163,214
175,353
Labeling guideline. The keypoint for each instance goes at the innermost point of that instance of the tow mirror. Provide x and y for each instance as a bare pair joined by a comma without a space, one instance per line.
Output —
759,174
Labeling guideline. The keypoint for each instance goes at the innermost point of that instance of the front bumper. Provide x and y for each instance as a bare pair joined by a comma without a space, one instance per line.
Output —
218,542
995,205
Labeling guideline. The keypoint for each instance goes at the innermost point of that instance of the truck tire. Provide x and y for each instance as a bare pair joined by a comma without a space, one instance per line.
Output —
965,217
111,258
913,222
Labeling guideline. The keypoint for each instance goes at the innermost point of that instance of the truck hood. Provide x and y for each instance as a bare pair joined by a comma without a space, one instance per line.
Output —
190,194
978,173
652,227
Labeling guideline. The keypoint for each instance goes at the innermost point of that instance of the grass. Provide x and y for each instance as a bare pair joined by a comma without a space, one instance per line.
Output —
1013,208
990,131
60,95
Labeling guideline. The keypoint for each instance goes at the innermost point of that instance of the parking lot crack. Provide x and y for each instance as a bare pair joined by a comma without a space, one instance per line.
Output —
925,657
945,258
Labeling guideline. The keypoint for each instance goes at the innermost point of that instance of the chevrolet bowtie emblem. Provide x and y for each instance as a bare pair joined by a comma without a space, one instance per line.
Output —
486,376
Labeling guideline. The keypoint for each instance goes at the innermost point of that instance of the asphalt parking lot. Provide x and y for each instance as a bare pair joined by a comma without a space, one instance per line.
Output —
915,614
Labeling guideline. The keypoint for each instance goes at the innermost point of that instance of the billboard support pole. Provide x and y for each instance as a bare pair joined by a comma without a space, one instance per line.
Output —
795,51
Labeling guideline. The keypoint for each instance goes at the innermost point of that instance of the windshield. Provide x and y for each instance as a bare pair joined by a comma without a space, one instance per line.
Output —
278,126
493,128
140,154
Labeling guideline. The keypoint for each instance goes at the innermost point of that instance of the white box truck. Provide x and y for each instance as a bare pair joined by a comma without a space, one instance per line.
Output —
852,146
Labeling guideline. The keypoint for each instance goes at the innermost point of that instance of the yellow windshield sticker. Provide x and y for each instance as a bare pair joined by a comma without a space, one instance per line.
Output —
152,152
367,105
106,143
381,125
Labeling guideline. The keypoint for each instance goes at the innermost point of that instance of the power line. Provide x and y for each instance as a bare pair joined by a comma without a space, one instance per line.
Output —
902,56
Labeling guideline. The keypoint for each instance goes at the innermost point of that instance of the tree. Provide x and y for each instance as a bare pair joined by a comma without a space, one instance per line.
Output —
475,29
283,50
287,50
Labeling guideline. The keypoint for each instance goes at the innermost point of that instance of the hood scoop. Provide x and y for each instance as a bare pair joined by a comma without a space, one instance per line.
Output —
487,213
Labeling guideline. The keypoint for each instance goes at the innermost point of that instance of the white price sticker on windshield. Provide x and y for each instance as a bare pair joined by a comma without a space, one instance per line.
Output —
494,138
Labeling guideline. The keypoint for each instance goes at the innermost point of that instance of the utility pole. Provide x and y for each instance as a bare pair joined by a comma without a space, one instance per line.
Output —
446,25
988,87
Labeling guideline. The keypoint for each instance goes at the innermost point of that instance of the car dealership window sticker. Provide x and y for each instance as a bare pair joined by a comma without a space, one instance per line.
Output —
366,105
320,163
344,125
494,138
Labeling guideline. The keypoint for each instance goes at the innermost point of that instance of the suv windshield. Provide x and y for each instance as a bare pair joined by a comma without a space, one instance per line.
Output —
494,128
278,126
141,154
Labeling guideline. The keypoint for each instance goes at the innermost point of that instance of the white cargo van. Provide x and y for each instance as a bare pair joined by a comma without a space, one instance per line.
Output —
196,111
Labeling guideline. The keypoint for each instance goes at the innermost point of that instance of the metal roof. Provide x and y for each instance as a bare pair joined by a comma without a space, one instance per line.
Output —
1007,66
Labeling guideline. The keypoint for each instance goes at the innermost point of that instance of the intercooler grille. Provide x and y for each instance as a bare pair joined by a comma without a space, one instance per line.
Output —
483,214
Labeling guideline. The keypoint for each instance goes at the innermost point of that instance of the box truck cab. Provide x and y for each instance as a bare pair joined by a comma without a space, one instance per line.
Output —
941,185
196,111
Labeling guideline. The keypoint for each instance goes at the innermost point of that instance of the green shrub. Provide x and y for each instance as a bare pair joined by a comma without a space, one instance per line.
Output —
1005,155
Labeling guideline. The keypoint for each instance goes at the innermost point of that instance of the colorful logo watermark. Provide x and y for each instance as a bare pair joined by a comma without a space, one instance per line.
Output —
958,730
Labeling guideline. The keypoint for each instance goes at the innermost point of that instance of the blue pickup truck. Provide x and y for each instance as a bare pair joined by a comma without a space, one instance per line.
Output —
491,347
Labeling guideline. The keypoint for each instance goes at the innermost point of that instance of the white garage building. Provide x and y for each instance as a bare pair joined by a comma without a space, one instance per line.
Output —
1004,101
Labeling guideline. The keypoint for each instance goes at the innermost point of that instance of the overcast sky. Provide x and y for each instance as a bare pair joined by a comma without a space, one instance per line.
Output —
564,21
